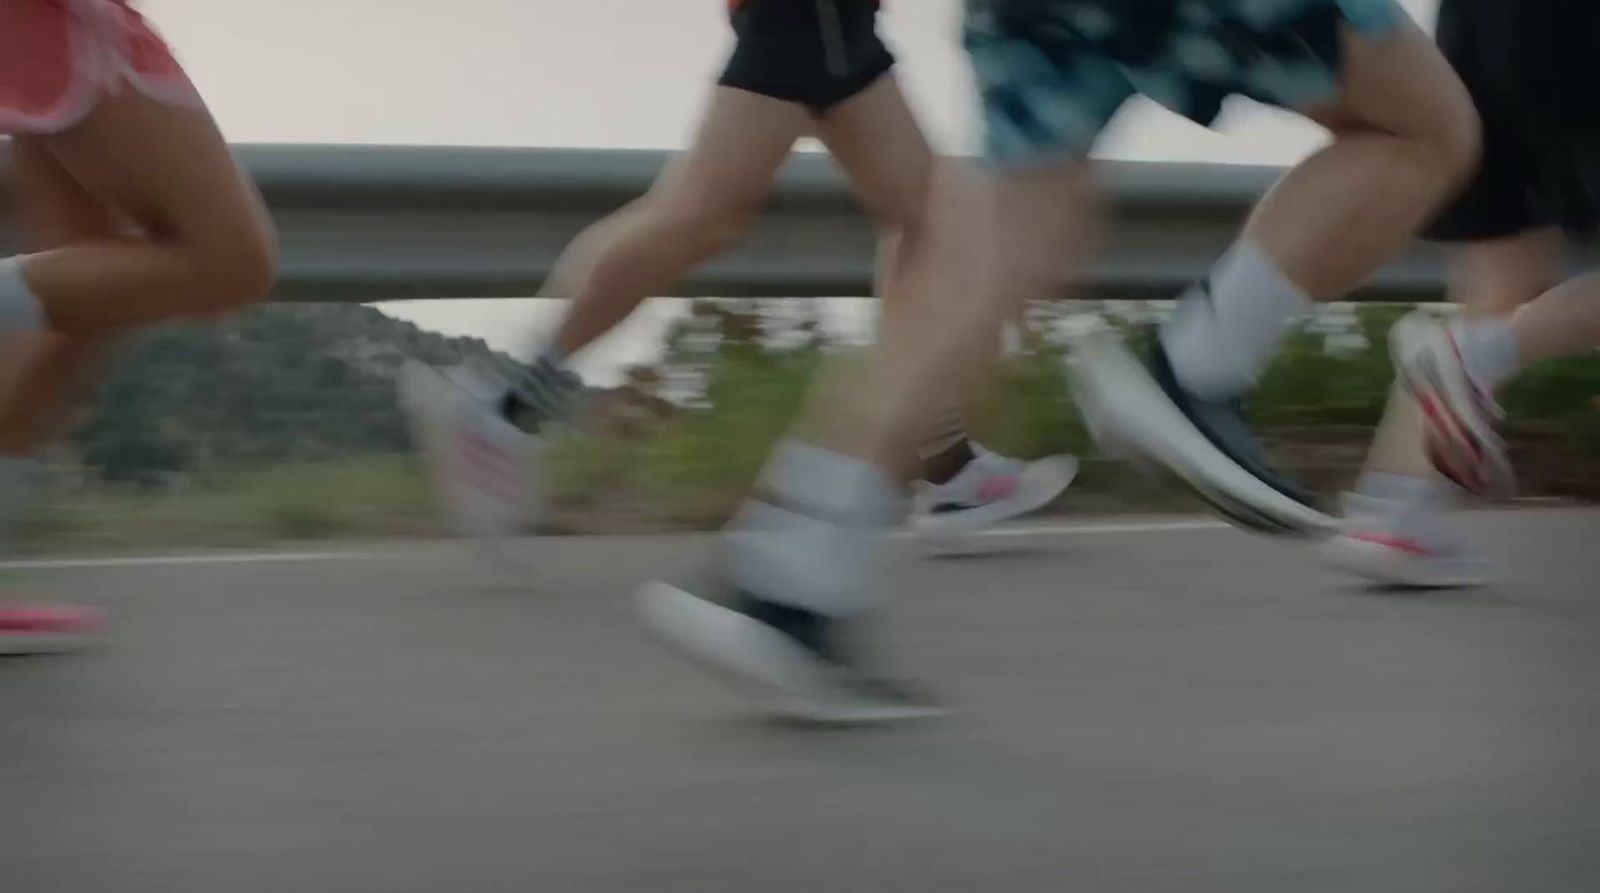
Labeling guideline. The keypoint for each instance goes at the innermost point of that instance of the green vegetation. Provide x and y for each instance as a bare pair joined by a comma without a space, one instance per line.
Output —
357,498
292,383
283,425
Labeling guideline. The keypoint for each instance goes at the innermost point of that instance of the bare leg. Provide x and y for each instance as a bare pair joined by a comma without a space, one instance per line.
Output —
46,370
206,244
702,203
1405,136
1561,322
982,266
877,141
874,137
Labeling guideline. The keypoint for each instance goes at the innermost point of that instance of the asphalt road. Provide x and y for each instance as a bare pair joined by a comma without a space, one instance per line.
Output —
1144,707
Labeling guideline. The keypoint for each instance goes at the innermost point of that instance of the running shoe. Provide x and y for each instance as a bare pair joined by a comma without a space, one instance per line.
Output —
46,629
484,470
1461,415
1142,411
991,489
1386,543
788,657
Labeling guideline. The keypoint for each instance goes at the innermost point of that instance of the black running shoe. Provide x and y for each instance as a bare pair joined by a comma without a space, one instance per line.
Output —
791,655
1222,422
1139,408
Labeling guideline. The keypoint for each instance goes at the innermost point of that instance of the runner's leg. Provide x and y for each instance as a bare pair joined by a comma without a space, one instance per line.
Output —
205,244
702,203
46,370
876,140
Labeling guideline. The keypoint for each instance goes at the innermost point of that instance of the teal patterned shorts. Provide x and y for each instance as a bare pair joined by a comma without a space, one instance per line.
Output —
1052,73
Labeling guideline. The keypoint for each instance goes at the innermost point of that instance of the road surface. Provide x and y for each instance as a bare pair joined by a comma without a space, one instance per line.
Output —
1145,706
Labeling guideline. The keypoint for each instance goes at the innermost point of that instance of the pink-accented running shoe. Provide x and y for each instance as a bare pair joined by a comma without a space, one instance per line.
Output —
1461,415
1387,543
484,469
47,629
990,490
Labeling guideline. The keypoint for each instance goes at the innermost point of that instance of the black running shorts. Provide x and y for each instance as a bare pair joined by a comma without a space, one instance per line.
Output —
1534,73
817,53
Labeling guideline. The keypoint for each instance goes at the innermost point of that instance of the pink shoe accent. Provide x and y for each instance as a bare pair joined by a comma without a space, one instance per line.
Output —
485,463
998,487
1398,543
46,629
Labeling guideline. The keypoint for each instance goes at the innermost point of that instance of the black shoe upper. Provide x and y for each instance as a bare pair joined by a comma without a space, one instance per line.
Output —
1223,423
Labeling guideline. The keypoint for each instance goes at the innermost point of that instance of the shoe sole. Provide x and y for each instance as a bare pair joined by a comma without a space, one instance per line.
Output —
757,657
23,645
1057,474
1459,436
1130,414
1384,566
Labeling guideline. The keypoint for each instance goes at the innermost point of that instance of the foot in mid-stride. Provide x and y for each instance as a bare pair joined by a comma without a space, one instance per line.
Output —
1143,409
1462,417
989,490
47,629
482,467
1390,544
789,657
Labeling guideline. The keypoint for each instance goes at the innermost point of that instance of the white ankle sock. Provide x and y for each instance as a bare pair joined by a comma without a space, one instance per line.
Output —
811,535
1408,505
1219,345
1488,349
20,310
1408,488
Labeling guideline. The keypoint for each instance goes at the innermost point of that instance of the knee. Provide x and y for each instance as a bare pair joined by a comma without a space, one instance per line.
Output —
234,266
905,219
710,224
1451,139
902,230
1458,145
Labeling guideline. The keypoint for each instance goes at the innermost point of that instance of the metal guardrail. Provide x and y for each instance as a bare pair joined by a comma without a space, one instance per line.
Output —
373,223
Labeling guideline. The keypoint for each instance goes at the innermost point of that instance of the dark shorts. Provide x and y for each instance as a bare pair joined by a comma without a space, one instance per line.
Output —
1053,73
1534,74
817,53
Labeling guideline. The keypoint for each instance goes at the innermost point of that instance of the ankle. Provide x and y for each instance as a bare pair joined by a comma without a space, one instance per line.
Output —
542,392
941,467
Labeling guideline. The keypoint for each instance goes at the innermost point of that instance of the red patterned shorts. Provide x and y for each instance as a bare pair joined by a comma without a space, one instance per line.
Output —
59,57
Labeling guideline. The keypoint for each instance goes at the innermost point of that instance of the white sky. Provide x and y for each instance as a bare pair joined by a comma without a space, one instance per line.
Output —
571,73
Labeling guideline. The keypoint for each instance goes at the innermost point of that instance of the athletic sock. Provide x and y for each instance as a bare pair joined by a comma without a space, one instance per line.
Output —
947,450
20,310
943,466
1489,350
1228,327
541,392
1412,489
802,549
1407,505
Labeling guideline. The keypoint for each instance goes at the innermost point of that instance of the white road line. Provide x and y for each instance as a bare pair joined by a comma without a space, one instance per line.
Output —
226,558
1095,529
36,564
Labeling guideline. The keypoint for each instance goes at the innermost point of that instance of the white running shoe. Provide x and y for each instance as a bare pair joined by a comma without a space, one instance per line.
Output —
1386,543
484,470
991,489
1461,416
799,681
